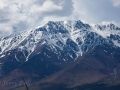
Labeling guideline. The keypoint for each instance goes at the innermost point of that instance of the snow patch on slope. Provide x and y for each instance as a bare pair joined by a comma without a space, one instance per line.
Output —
56,34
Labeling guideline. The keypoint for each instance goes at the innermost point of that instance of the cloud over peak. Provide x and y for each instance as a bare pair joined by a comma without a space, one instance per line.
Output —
22,15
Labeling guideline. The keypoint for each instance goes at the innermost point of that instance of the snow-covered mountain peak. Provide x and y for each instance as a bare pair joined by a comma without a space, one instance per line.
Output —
106,30
110,26
79,37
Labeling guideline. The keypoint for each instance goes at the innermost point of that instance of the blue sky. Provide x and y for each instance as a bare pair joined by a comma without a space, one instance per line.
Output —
18,15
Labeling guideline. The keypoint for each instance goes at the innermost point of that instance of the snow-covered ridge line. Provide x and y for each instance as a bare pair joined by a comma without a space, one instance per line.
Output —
76,35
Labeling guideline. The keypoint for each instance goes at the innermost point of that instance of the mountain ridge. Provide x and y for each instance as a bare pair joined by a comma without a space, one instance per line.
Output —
99,68
28,40
44,50
69,39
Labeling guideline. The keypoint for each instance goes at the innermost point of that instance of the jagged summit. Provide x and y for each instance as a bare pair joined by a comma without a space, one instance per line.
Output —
79,37
110,26
46,49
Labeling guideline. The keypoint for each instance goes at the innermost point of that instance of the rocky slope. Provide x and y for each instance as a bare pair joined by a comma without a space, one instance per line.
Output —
96,70
47,49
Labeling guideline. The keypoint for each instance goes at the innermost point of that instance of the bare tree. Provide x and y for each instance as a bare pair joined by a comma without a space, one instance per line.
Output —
25,84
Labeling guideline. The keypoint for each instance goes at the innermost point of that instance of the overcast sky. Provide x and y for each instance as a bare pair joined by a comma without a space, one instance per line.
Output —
25,14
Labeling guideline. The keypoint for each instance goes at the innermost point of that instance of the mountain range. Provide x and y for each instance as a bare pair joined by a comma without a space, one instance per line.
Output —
67,54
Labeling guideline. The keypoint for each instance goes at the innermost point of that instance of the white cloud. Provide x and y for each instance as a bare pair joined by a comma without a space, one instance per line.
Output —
108,22
5,30
2,5
116,3
48,6
96,11
22,15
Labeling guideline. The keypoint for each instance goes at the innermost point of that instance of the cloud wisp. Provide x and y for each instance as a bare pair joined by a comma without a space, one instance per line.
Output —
116,3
